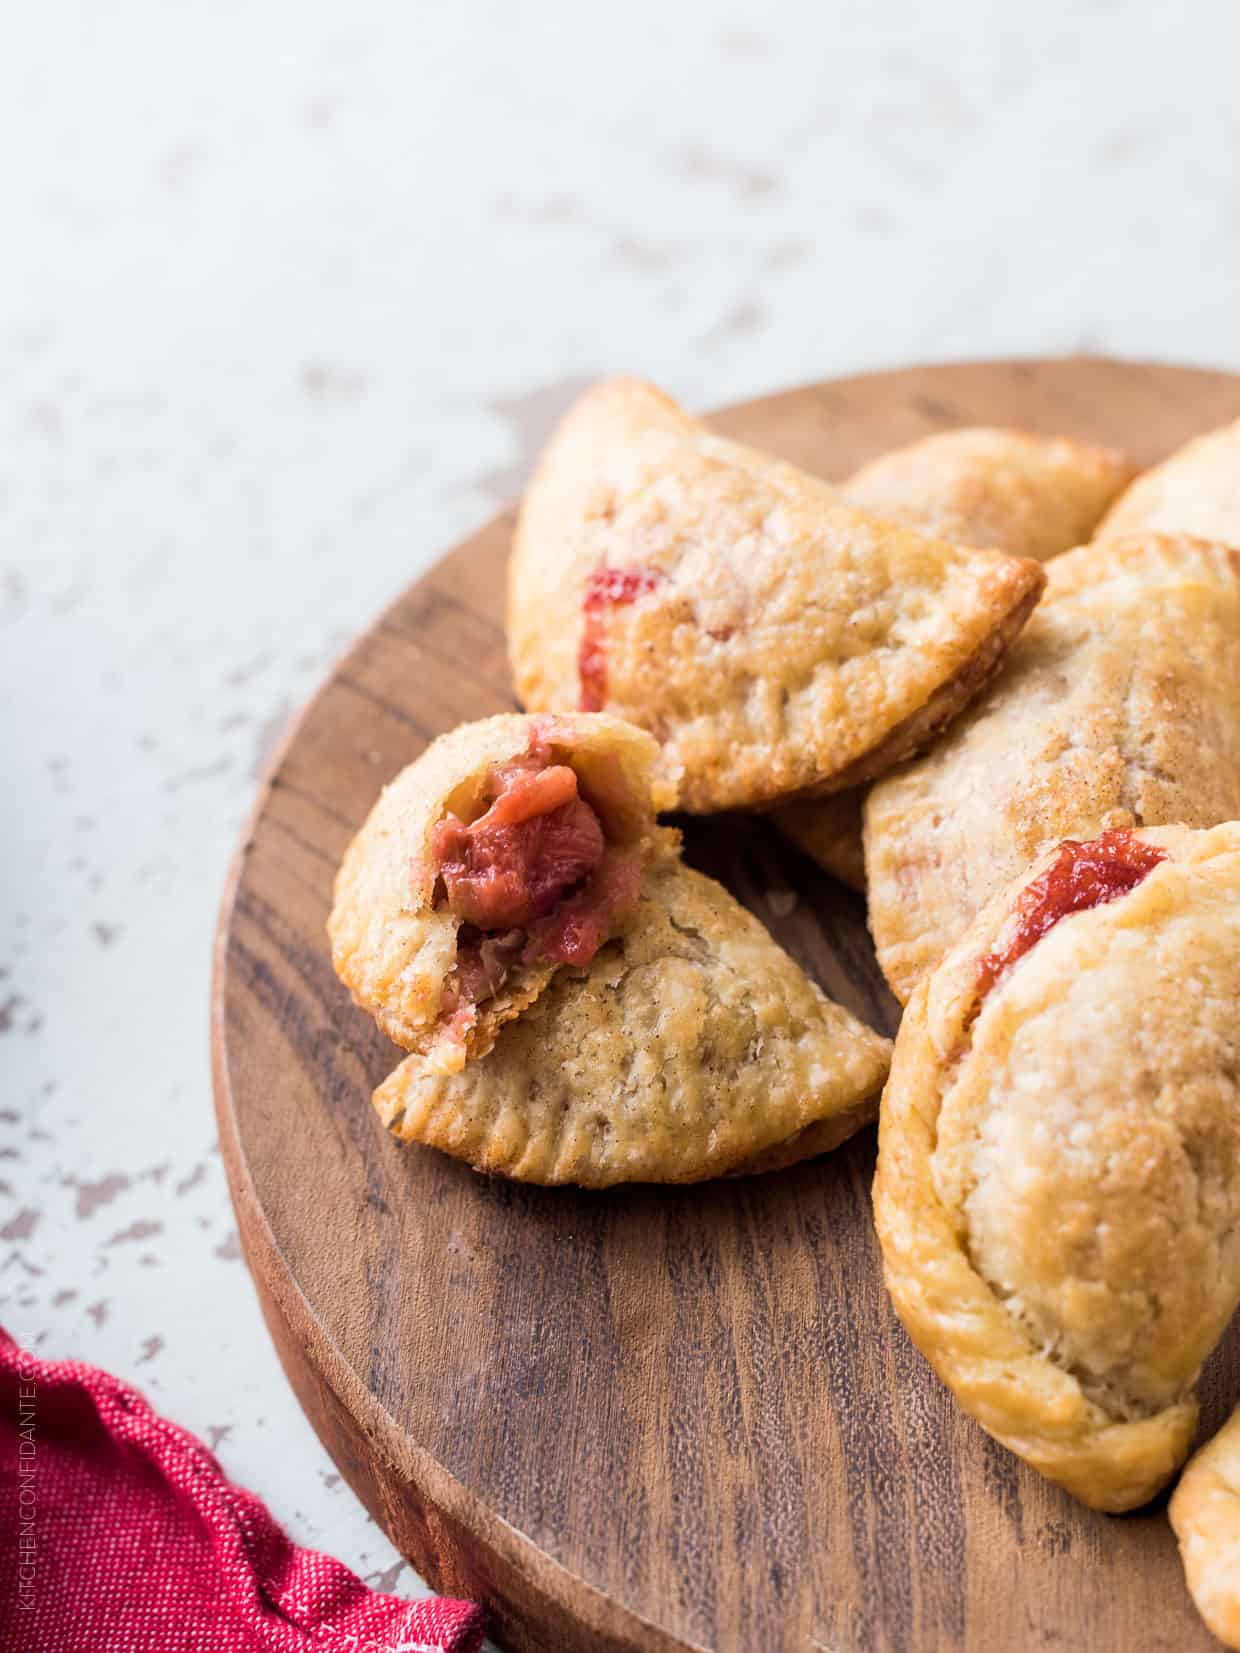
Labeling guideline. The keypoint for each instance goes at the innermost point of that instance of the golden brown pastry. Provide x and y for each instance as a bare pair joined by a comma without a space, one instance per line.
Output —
1119,706
1032,496
775,641
1195,491
1003,490
1205,1512
1058,1187
509,848
692,1046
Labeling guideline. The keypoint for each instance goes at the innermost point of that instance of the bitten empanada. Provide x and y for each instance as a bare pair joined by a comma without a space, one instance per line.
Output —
1058,1187
1195,491
691,1047
1205,1512
1119,706
775,641
1002,490
1009,490
511,847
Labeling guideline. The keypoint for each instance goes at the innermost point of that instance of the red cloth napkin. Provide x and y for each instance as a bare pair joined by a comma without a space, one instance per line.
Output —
119,1533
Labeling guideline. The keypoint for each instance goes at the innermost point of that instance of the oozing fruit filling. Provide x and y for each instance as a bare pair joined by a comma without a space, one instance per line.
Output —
532,879
514,863
607,588
1081,876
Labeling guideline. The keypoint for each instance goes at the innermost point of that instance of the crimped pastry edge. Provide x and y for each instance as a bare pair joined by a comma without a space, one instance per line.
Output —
979,1349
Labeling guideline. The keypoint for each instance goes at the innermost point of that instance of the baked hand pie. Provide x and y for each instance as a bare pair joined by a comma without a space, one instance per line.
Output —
1119,706
1195,491
1058,1188
1205,1512
691,1046
1002,490
775,641
510,848
1009,490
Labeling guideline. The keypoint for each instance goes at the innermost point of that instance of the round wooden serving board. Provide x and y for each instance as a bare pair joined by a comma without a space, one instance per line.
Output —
653,1418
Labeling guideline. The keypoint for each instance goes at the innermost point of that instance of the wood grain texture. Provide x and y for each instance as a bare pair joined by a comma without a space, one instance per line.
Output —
647,1419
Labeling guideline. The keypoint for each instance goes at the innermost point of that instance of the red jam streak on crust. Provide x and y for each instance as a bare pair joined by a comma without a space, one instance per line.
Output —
532,879
606,588
1081,876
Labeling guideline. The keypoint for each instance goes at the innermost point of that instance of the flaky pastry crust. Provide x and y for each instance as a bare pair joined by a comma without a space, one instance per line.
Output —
1058,1186
1009,490
1195,491
1003,490
1205,1512
392,945
775,641
1118,706
691,1047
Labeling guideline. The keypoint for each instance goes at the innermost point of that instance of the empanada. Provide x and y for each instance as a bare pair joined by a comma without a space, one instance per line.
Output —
1058,1187
1205,1512
1003,490
775,641
1195,491
1009,490
510,847
692,1046
1118,706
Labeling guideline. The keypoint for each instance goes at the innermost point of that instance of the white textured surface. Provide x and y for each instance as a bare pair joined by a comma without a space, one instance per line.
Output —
289,296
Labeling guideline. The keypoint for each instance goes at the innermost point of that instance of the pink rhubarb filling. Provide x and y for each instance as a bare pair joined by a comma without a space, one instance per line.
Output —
1082,875
533,879
606,589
